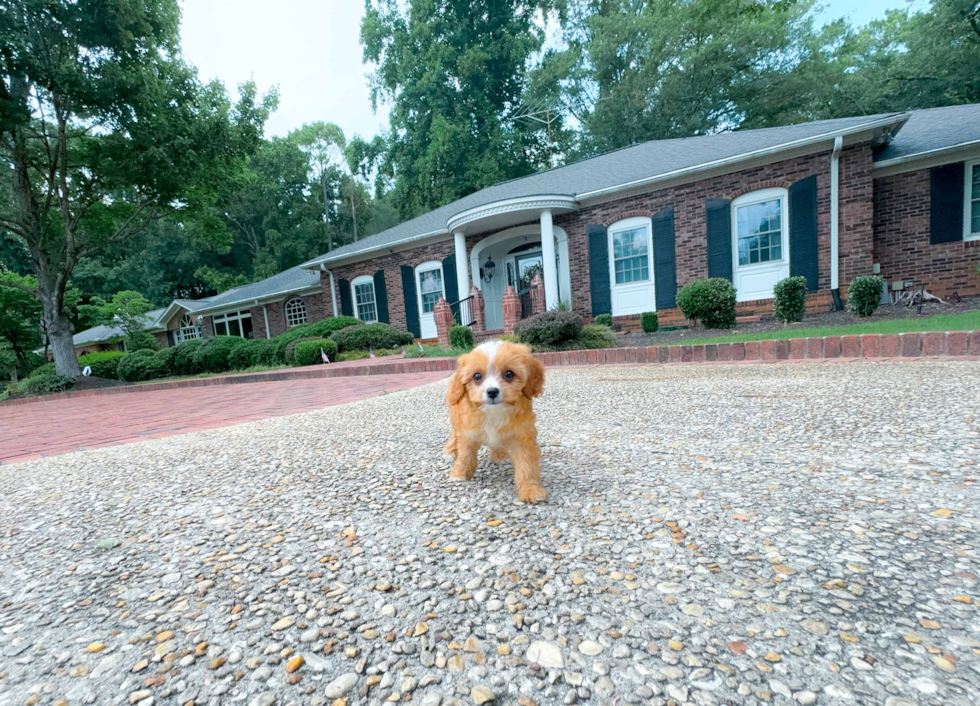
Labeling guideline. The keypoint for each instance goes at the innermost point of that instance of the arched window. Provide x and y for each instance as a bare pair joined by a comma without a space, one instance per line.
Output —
295,312
187,330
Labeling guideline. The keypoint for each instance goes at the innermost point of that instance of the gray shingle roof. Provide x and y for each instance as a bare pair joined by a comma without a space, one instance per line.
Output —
293,279
934,129
98,334
643,161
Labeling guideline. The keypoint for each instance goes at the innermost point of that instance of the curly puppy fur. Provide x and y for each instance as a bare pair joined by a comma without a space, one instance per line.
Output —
489,400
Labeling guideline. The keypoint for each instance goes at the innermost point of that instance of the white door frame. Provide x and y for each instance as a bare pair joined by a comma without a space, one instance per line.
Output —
427,322
642,292
772,269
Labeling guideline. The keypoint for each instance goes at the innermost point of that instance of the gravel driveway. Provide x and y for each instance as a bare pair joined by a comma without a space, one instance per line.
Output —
715,535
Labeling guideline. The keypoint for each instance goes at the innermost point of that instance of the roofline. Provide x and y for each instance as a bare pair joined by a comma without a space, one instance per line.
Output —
775,149
262,298
324,259
938,151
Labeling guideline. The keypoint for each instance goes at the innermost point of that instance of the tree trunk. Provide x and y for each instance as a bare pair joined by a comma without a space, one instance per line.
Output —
326,212
353,215
59,333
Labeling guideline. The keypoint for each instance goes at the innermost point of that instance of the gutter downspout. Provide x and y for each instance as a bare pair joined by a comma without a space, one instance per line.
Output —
333,290
835,223
265,317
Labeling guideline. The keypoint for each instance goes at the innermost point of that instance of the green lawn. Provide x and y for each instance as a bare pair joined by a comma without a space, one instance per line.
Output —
946,322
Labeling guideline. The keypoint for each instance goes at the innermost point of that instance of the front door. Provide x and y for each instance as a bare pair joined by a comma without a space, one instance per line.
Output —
429,283
760,255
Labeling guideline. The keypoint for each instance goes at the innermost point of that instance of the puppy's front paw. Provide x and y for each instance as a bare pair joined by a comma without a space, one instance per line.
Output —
531,494
459,475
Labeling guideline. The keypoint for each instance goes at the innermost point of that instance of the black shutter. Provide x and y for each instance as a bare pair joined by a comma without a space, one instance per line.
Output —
719,221
346,306
664,267
449,282
412,323
381,296
803,231
170,339
946,184
599,269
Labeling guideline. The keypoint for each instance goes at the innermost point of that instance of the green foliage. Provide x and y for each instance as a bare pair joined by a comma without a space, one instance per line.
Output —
320,329
20,317
250,353
597,336
508,337
709,301
39,383
864,295
141,341
435,352
790,296
141,366
213,356
649,321
308,352
179,360
549,328
361,355
104,364
603,319
461,337
371,336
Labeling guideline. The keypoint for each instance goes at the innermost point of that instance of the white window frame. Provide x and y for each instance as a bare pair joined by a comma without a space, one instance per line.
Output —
968,168
354,284
650,303
754,197
291,315
427,267
228,319
186,330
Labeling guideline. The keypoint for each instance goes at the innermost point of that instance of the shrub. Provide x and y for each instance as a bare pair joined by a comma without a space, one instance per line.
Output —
461,337
178,360
597,336
44,369
364,337
212,356
864,295
649,321
249,353
142,365
549,328
710,301
141,341
320,329
42,380
508,337
308,352
290,351
790,296
603,319
104,364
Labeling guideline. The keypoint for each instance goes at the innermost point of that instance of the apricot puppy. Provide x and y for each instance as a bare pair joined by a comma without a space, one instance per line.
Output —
489,400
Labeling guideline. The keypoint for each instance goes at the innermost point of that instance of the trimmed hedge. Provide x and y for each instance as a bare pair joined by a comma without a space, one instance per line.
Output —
249,353
461,337
141,365
307,352
364,337
141,341
790,296
42,380
104,364
597,336
710,301
549,328
320,329
603,319
212,356
179,360
864,295
649,321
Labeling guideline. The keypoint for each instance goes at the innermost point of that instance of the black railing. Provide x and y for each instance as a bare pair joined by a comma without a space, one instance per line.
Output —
461,312
527,308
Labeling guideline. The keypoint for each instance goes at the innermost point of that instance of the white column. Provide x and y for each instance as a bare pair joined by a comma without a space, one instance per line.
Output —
265,315
462,265
550,266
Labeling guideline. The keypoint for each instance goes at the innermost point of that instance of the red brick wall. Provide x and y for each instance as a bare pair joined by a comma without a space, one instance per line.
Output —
318,307
856,212
391,264
901,239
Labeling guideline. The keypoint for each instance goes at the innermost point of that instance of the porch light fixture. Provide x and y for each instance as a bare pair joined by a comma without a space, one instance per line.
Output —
487,269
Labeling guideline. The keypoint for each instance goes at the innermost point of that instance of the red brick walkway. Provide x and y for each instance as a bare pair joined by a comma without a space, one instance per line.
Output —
52,427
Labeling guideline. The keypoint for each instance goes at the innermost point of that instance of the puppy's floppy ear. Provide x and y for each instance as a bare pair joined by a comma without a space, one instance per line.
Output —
456,389
534,384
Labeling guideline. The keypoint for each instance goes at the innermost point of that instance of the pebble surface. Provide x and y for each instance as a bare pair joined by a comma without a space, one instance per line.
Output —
786,534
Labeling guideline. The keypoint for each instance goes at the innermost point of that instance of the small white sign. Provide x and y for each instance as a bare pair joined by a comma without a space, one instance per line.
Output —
87,370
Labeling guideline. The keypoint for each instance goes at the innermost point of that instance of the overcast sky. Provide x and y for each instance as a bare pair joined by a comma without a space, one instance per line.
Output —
310,49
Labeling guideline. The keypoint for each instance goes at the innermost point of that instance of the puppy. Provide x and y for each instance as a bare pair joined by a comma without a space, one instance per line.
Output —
489,400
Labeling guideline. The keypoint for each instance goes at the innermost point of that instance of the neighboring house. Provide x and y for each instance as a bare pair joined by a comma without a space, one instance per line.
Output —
895,194
620,233
109,338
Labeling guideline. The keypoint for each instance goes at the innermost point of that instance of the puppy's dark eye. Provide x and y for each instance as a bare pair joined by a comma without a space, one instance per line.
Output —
509,374
477,377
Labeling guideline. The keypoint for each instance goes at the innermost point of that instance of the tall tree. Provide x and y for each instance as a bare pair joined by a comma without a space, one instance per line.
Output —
455,75
324,143
20,317
102,130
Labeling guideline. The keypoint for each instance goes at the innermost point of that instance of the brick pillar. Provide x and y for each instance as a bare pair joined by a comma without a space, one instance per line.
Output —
444,321
537,294
511,305
477,313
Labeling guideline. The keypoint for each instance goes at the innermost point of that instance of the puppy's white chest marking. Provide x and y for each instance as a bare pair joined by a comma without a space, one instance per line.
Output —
494,419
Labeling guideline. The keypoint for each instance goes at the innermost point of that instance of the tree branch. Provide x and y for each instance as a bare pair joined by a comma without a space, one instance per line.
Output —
15,285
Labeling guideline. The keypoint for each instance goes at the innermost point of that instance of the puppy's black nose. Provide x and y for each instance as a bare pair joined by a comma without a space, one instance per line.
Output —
493,392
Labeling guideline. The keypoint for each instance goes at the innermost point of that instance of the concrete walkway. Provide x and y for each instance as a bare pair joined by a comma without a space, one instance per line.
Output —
58,426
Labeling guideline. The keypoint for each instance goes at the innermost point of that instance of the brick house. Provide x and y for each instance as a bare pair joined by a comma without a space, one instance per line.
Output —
895,194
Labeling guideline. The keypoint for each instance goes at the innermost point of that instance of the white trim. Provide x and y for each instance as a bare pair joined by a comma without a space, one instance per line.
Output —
519,203
881,122
226,319
285,311
462,268
835,215
354,283
648,284
265,317
225,307
782,263
530,229
885,163
180,333
968,234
